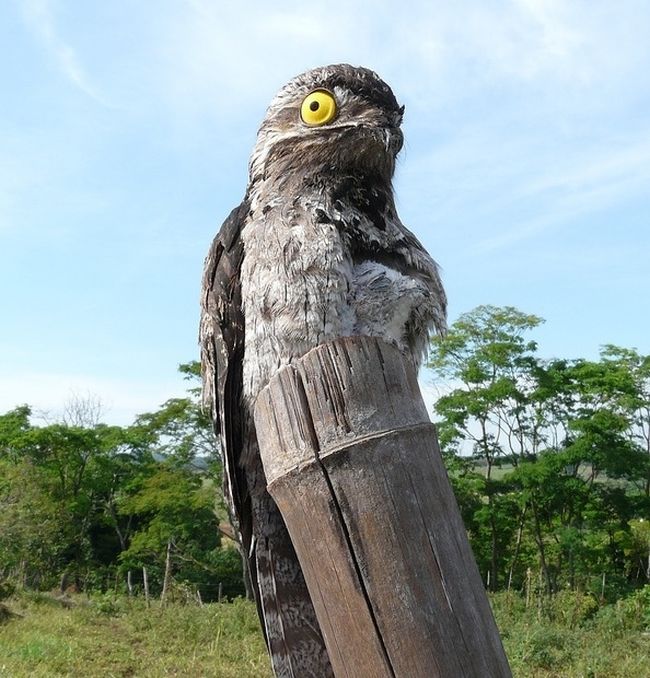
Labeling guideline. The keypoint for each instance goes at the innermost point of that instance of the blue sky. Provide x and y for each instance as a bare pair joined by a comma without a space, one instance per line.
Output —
125,130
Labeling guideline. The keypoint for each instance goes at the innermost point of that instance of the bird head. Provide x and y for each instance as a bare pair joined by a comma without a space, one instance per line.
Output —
329,119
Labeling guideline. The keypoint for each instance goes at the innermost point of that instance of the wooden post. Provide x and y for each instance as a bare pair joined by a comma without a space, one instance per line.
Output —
168,573
352,462
145,581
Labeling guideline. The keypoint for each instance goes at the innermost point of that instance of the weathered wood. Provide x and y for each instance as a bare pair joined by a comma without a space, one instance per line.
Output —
168,573
145,581
352,461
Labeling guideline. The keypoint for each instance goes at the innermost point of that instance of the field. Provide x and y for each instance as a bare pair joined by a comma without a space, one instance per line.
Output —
115,637
109,637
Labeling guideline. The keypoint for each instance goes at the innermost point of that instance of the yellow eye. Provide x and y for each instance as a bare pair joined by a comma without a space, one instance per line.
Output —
318,108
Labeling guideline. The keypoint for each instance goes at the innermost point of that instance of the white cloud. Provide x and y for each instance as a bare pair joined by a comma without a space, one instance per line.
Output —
526,39
616,160
582,183
39,16
216,56
511,109
219,59
506,182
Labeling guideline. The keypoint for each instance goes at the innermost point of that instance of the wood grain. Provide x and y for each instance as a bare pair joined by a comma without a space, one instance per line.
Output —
353,463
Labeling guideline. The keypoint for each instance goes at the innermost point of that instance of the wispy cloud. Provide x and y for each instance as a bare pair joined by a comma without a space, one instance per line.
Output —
618,161
584,183
39,16
217,56
526,39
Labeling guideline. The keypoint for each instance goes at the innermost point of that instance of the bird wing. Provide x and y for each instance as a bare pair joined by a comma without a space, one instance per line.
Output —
221,336
294,640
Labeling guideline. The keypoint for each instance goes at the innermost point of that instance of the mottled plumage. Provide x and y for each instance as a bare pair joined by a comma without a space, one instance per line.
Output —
315,251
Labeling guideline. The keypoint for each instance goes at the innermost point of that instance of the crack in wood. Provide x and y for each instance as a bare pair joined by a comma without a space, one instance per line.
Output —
309,421
352,461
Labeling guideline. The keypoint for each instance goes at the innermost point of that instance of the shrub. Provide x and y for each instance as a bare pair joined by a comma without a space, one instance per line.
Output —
6,589
572,608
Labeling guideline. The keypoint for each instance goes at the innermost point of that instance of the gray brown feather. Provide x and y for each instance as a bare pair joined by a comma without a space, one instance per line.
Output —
316,251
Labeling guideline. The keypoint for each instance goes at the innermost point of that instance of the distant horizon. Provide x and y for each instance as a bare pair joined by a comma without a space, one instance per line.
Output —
430,387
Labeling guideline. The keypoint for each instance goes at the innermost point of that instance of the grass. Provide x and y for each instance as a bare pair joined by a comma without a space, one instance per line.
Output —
119,637
568,637
572,636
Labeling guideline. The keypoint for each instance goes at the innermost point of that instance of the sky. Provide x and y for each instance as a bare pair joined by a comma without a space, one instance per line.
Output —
125,131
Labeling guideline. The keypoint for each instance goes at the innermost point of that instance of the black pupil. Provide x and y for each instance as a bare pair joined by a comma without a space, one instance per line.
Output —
314,106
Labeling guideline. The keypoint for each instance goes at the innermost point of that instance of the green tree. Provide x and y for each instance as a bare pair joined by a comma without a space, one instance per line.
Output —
567,437
629,393
76,494
180,430
492,369
34,527
178,536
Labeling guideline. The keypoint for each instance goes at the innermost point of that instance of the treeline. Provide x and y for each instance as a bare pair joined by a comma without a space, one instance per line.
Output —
550,459
98,507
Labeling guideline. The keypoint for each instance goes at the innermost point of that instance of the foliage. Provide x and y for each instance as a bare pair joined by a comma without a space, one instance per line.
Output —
550,459
87,505
572,635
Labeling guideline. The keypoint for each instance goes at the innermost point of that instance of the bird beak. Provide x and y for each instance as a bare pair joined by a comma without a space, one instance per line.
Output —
398,117
393,139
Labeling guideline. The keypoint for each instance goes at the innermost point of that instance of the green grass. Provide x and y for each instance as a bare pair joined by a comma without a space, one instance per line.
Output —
117,637
568,637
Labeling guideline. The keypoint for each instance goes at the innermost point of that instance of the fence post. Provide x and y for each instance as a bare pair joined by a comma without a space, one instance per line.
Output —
145,581
352,461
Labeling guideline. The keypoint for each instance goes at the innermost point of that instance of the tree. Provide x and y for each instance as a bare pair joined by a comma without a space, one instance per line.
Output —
55,475
493,368
79,500
180,430
34,529
569,439
178,533
629,392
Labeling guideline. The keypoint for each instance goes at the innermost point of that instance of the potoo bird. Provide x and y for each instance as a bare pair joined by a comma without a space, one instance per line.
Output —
314,252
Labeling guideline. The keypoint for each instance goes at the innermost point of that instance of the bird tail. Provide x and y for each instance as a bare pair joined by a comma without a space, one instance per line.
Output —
293,636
